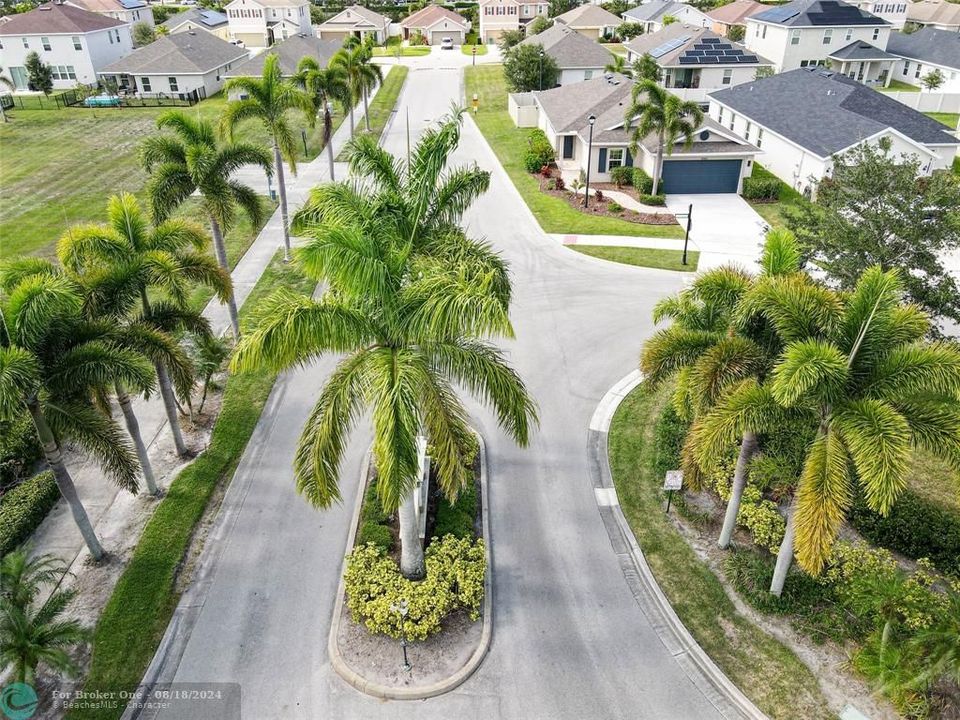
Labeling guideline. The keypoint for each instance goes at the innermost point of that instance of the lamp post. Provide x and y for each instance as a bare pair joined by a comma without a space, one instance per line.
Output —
401,610
586,197
474,53
303,135
541,69
686,236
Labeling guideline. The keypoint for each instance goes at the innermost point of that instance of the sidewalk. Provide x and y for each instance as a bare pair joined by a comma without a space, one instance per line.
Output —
57,534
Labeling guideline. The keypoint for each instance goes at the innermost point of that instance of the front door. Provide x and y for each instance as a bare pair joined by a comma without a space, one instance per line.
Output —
567,147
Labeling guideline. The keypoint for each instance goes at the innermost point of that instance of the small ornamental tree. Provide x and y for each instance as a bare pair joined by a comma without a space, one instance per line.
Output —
143,34
629,30
933,79
39,74
538,25
736,33
525,70
559,7
508,39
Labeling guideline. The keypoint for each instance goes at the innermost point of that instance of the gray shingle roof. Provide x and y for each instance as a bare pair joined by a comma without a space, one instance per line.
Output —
570,49
187,52
356,16
826,112
51,19
940,47
819,13
861,50
200,16
290,51
694,44
650,11
588,16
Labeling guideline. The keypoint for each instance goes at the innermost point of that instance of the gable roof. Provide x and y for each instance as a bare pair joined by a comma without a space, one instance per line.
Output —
200,16
356,16
588,16
272,3
826,112
860,50
651,10
570,49
934,12
818,13
102,6
431,15
185,53
54,19
290,52
939,47
736,12
680,45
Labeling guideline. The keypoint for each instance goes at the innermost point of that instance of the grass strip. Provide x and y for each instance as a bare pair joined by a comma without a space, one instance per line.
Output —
768,672
145,596
382,104
642,257
509,143
949,119
405,51
468,49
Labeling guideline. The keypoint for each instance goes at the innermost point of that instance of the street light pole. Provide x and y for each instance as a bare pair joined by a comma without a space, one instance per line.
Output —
474,55
586,197
401,609
541,69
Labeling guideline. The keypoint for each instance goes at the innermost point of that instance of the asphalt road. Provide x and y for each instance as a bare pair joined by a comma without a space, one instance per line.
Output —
569,640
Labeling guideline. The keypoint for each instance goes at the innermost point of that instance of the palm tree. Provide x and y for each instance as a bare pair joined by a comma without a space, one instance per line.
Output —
709,349
51,360
268,100
410,300
658,111
362,76
191,161
121,263
618,64
324,86
646,68
30,635
857,368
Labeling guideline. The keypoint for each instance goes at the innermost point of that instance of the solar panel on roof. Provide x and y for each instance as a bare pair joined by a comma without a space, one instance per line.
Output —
686,60
710,41
779,14
661,50
708,60
131,4
212,17
715,53
748,59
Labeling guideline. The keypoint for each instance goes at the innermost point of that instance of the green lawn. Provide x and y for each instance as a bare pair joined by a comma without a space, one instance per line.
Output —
643,257
949,119
767,671
899,86
137,614
509,143
772,212
406,51
616,48
468,49
382,104
59,167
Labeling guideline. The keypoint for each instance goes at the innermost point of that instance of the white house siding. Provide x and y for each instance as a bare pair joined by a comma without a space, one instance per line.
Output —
712,78
222,32
569,76
894,12
97,50
209,83
774,42
912,71
247,21
499,15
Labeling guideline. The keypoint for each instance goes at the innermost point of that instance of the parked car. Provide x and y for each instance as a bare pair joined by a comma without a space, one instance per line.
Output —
446,44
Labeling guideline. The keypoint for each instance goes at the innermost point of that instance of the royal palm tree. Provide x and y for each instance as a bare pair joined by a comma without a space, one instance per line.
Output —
51,360
618,64
857,368
410,300
656,111
708,348
121,264
191,161
646,68
269,97
362,76
324,87
31,634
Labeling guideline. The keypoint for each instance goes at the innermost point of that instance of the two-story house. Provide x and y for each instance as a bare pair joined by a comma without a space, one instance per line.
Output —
806,33
938,14
74,42
128,11
655,15
499,15
261,23
893,11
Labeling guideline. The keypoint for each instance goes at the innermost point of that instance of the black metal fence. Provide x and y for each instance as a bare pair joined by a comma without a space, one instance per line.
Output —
77,98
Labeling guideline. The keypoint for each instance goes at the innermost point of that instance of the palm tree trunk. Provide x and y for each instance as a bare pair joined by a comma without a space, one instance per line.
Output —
221,250
282,187
748,448
351,117
327,120
133,428
657,165
166,392
785,555
64,482
411,550
366,110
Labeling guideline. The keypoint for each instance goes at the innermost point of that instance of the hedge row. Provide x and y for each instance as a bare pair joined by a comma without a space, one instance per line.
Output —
24,508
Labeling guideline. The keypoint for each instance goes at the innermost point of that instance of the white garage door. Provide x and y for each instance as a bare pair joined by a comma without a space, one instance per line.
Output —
436,36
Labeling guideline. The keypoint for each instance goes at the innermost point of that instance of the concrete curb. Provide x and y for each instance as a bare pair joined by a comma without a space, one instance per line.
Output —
709,679
368,687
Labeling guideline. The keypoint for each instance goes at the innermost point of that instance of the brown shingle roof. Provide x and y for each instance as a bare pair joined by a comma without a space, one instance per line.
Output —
53,19
432,14
736,12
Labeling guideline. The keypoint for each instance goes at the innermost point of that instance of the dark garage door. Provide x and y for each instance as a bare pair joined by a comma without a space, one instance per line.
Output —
689,177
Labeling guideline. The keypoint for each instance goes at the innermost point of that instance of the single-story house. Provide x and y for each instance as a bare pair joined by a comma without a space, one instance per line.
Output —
695,57
733,14
577,57
591,21
924,51
651,15
355,21
436,23
289,52
939,14
198,18
716,162
802,118
181,65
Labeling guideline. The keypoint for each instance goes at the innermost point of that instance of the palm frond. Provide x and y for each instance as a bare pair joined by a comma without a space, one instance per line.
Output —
19,380
809,369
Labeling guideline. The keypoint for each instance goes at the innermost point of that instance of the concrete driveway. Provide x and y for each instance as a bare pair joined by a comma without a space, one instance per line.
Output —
725,228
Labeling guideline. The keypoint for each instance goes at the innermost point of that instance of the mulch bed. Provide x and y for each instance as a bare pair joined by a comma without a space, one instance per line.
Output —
602,208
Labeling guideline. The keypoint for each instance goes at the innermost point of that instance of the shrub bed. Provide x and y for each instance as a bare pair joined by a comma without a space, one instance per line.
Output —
539,151
19,450
599,208
761,189
658,199
622,175
24,508
642,182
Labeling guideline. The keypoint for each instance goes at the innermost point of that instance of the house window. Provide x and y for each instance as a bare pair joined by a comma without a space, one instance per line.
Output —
46,43
827,36
614,158
906,68
759,137
727,76
145,84
876,33
720,117
746,130
71,73
733,119
76,43
764,33
794,37
110,36
849,34
919,68
25,43
173,84
587,74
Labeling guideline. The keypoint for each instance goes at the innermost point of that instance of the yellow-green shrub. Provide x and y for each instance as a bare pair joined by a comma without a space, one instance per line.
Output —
454,580
759,516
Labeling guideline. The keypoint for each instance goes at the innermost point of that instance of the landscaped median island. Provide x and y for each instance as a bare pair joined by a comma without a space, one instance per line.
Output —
382,104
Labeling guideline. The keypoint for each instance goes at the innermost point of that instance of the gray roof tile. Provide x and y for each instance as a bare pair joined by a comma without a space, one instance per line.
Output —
570,49
940,47
187,52
290,51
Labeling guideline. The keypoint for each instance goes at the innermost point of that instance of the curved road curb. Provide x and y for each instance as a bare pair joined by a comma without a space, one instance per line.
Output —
709,679
384,692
